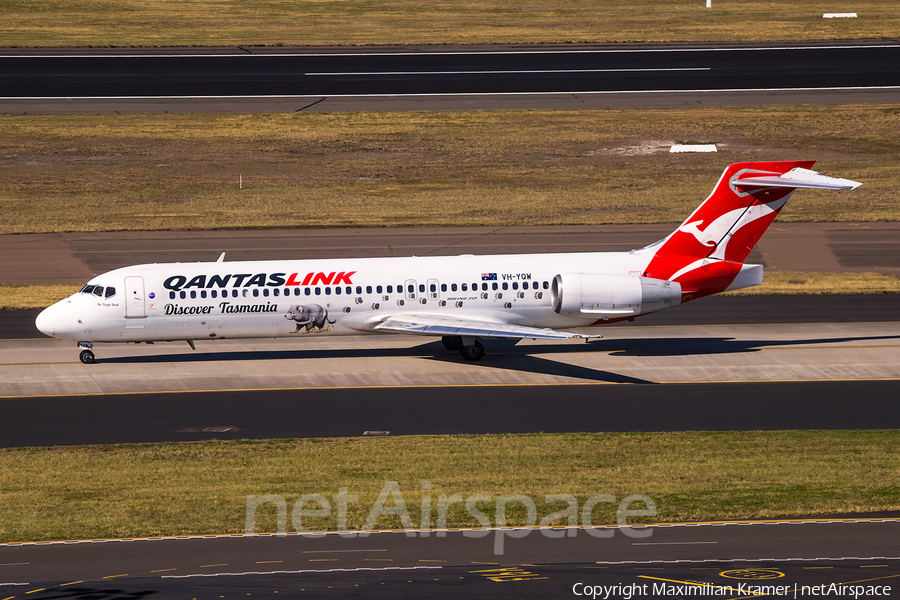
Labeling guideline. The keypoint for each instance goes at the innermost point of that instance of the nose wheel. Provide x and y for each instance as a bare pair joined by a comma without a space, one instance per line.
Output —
87,354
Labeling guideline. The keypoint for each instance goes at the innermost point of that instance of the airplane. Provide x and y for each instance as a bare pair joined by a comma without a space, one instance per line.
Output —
460,299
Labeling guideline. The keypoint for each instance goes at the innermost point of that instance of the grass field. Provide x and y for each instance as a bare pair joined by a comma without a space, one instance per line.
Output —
197,488
357,22
145,172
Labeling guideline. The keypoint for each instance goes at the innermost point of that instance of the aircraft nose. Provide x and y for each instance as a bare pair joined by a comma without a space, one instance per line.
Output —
46,322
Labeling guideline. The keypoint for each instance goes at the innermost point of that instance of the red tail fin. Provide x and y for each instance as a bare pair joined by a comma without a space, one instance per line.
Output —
707,251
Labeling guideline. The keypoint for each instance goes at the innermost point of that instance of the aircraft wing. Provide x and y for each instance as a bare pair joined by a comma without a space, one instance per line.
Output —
439,325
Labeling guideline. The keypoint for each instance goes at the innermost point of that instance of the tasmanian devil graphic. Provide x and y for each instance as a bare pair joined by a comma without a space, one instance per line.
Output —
312,316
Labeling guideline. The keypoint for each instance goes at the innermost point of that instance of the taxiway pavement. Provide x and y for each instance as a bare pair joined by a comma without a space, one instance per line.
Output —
475,563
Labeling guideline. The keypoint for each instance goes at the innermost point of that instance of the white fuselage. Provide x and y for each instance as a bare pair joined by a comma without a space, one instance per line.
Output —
195,301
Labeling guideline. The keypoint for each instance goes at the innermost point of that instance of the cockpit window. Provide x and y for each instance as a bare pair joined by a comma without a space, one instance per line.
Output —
110,292
98,291
87,289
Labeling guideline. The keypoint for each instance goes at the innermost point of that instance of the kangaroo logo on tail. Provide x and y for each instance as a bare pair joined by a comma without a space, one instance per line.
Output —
706,253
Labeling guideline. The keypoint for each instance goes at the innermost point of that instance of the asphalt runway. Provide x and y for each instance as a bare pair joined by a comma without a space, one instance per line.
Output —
242,79
725,557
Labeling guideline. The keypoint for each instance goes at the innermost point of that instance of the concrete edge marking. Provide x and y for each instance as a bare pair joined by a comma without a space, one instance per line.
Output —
223,536
451,386
459,94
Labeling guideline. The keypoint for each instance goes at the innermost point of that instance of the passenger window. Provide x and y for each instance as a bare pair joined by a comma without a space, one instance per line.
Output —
378,289
505,286
524,285
110,292
337,290
328,291
234,293
422,288
464,287
368,289
203,293
483,287
546,285
443,287
266,292
390,289
245,293
359,289
308,291
193,294
297,291
256,293
276,292
494,286
515,285
182,295
171,295
453,287
318,291
349,290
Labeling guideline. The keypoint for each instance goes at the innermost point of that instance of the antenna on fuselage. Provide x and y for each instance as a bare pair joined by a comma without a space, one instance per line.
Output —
221,258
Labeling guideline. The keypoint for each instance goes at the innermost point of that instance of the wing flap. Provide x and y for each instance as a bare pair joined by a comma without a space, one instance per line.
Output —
434,325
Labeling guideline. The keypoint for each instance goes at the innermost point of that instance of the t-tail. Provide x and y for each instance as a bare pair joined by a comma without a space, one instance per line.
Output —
706,253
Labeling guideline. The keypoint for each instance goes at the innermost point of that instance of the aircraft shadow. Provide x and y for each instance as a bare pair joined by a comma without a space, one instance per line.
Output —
697,346
505,355
525,363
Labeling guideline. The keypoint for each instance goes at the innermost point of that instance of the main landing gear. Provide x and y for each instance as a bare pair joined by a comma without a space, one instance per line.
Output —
469,348
87,354
452,342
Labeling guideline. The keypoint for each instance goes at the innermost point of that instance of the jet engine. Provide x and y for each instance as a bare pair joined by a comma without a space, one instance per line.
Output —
604,295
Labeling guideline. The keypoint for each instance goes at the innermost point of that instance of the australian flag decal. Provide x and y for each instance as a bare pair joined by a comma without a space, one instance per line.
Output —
489,277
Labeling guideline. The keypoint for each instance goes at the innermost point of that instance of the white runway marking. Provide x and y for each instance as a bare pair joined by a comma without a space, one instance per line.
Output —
340,551
669,543
508,72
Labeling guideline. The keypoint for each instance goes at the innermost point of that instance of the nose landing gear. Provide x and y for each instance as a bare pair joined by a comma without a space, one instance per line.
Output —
87,354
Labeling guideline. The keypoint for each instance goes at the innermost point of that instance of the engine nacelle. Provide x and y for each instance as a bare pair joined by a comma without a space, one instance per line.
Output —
603,295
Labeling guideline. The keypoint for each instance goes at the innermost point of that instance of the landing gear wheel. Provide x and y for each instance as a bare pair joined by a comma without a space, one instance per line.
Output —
452,342
473,352
87,357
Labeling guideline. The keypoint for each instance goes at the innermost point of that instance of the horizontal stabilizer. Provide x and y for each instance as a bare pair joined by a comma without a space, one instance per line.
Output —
798,178
438,325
